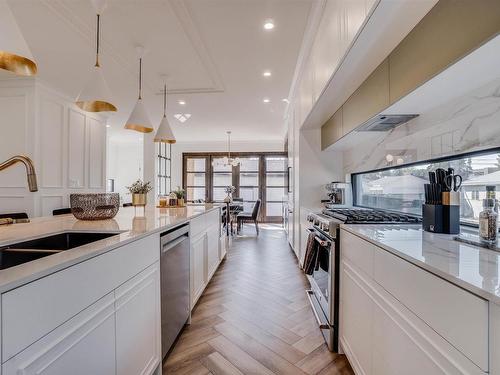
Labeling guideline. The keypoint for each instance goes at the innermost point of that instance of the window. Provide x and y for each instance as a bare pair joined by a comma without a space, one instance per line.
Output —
164,168
402,188
222,176
276,185
195,177
249,181
259,175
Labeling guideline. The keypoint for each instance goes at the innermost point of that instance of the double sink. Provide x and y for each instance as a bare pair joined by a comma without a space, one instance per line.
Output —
26,251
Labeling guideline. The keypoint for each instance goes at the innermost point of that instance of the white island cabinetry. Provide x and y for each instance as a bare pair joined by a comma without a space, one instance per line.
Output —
397,318
102,314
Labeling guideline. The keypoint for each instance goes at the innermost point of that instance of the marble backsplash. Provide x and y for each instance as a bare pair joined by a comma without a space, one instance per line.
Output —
469,123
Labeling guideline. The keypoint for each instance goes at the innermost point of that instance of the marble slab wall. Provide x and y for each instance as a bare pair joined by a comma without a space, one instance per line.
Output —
469,123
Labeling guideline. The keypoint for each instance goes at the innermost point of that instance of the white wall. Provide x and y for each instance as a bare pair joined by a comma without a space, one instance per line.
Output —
67,146
125,164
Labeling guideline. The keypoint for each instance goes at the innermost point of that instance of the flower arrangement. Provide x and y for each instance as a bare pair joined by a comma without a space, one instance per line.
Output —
139,187
229,189
179,193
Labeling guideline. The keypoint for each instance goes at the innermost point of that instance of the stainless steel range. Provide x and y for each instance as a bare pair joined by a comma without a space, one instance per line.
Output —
324,293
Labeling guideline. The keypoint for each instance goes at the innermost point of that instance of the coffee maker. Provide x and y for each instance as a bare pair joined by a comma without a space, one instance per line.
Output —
339,194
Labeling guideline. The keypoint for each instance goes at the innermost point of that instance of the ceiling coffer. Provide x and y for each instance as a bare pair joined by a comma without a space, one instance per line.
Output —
384,123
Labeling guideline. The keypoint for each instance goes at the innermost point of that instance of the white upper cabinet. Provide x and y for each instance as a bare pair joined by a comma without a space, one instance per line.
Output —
340,22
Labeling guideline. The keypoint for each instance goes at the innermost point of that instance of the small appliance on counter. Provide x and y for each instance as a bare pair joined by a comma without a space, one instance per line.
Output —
441,210
339,195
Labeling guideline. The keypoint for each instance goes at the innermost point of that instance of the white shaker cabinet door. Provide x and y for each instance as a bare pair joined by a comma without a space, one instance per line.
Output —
83,345
357,321
212,251
198,258
138,317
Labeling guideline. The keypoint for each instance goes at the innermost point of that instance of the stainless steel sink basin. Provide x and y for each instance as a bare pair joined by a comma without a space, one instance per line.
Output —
26,251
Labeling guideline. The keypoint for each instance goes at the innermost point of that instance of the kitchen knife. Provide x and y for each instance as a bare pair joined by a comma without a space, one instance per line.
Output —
432,177
440,178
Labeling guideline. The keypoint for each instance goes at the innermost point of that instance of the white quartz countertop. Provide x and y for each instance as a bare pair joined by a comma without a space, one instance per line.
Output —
130,224
473,268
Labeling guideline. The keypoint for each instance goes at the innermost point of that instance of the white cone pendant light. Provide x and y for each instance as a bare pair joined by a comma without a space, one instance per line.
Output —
95,96
15,56
164,133
139,119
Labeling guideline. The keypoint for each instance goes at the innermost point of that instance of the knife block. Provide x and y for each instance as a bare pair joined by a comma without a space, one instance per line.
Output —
438,218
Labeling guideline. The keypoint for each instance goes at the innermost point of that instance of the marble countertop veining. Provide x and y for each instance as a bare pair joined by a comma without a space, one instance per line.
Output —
472,268
129,224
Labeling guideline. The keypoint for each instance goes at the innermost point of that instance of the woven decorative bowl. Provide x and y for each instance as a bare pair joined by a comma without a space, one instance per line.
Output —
94,206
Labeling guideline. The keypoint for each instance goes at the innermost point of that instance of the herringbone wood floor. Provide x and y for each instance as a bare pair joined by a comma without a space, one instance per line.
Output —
254,317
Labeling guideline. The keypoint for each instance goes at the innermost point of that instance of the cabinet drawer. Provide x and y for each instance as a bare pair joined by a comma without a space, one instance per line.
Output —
457,315
358,251
33,310
213,219
85,344
197,225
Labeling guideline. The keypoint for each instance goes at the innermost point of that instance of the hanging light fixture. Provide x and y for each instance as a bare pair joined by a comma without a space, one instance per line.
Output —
164,133
139,119
15,55
227,160
95,96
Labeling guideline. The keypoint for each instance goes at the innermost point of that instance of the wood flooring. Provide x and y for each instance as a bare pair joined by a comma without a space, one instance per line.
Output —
254,317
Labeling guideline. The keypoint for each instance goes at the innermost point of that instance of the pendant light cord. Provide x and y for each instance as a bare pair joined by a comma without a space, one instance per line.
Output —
140,78
165,101
97,44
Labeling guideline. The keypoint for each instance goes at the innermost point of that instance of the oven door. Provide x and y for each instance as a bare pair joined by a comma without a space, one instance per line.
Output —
322,293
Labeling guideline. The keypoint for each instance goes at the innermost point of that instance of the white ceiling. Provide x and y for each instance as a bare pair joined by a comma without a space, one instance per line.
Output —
213,51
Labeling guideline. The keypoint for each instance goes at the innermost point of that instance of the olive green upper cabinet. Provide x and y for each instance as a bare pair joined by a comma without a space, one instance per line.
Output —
331,131
368,100
450,31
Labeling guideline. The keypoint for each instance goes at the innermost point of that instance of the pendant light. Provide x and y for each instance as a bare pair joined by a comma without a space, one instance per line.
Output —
15,55
95,96
164,133
227,160
139,119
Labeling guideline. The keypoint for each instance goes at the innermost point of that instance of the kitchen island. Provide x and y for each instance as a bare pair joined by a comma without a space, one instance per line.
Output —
96,308
414,302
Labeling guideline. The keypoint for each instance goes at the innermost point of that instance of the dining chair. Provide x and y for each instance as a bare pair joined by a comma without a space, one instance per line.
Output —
248,217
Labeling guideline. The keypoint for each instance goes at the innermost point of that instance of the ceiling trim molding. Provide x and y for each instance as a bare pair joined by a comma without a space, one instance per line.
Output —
184,15
61,9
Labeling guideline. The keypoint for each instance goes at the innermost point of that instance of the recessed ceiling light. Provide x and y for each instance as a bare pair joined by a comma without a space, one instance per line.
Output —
266,100
285,100
269,24
182,117
267,73
108,126
182,102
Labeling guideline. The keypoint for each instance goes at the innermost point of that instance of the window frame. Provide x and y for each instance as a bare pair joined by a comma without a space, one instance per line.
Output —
235,171
164,157
440,159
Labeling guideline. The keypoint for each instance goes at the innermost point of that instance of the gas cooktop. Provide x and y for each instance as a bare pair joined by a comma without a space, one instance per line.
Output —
369,216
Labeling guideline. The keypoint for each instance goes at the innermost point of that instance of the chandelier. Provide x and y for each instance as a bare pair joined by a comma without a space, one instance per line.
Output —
226,160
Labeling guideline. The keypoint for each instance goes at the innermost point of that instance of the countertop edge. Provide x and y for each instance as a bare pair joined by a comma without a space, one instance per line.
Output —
23,280
443,275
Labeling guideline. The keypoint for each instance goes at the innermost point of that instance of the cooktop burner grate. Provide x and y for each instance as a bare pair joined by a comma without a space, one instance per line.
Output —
364,216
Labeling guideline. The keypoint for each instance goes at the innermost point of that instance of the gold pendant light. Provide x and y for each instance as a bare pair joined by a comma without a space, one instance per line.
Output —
15,55
139,119
164,133
95,96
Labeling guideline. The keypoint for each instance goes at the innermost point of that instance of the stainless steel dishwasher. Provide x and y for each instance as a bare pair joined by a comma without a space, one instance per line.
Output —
174,284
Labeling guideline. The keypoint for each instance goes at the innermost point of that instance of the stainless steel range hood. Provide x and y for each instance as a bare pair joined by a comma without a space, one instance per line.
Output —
384,123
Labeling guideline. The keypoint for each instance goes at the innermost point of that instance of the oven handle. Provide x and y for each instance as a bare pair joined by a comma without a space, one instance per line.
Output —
321,325
318,239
